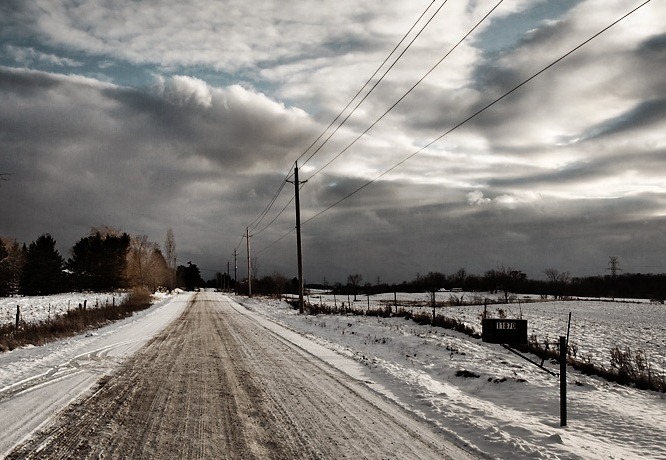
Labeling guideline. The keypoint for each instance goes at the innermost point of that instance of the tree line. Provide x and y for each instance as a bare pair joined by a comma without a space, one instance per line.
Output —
509,281
506,281
106,259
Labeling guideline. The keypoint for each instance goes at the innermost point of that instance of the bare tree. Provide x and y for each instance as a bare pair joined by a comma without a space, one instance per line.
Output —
170,256
355,282
255,267
137,260
146,265
459,277
558,280
506,279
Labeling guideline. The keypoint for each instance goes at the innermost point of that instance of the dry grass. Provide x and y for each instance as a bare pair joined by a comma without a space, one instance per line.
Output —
72,322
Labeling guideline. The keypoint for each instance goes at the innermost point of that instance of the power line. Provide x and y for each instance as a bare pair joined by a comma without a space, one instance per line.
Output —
240,242
478,112
379,80
265,248
291,200
408,91
255,223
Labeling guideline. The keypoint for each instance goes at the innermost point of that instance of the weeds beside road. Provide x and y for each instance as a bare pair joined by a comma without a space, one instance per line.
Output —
71,323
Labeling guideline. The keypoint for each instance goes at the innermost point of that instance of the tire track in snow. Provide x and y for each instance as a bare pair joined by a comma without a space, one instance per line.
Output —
215,384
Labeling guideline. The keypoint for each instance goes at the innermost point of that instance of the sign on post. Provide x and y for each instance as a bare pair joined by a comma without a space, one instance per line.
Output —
507,331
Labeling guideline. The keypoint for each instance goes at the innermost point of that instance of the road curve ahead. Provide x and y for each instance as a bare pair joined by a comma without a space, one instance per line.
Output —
214,385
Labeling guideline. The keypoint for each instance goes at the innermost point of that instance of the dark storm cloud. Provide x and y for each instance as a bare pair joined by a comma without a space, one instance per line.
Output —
576,236
82,153
584,171
644,115
562,173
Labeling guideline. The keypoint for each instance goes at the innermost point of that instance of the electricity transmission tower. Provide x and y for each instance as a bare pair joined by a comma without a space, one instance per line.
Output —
614,265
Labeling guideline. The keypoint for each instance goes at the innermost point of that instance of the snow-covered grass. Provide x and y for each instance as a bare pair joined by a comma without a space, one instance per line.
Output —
41,308
597,326
512,409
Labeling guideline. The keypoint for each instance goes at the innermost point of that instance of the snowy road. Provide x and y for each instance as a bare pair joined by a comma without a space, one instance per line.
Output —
36,382
221,382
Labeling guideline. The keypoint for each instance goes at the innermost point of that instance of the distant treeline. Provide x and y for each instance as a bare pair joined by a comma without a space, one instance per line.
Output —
557,285
508,282
105,260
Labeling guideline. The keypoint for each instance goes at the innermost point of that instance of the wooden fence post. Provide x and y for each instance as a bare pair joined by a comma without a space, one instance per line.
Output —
563,381
433,306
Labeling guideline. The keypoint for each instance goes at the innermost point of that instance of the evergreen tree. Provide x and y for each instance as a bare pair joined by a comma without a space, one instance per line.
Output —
189,276
99,263
42,272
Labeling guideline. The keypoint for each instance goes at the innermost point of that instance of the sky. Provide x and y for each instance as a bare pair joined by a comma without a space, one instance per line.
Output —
150,115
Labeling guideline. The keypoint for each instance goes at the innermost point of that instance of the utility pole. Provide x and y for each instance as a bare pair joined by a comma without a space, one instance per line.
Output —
299,251
249,271
235,267
227,279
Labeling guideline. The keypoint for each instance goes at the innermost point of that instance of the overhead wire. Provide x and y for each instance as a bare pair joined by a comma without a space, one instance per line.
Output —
432,69
372,89
478,112
380,79
255,223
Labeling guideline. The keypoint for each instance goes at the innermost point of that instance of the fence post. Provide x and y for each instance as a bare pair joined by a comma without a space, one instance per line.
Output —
18,316
563,381
433,306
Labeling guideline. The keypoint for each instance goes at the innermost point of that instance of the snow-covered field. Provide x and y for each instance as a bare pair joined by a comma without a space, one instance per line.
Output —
41,308
512,409
597,326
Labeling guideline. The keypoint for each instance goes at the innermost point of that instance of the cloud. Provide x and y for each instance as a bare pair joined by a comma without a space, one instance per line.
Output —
183,90
239,89
27,56
83,154
476,198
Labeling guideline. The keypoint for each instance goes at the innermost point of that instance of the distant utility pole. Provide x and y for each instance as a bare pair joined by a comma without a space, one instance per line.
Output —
235,266
249,270
299,251
614,266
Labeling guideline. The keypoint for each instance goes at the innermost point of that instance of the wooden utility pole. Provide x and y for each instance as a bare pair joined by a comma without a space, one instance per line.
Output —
299,251
249,269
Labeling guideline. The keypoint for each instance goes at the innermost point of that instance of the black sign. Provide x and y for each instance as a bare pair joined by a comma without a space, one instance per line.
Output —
509,331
